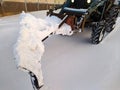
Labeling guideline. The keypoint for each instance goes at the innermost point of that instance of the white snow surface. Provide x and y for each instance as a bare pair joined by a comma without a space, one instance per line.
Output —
68,63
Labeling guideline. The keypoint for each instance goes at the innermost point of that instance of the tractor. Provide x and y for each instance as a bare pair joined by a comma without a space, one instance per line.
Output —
101,15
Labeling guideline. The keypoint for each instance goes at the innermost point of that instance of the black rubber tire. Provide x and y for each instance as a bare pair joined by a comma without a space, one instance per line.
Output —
98,32
111,18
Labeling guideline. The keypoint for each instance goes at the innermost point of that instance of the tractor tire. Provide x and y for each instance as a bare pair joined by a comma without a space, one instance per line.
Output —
111,18
98,31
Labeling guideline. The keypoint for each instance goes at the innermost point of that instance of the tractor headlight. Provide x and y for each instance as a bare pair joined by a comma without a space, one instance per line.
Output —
72,1
88,1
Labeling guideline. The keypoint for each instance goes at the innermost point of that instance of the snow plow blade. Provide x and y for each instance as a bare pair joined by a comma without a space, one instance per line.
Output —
30,48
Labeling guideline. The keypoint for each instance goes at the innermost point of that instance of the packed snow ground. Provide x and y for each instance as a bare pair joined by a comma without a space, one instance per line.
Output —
69,63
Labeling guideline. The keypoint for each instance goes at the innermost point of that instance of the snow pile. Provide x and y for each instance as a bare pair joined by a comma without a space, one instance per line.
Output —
29,47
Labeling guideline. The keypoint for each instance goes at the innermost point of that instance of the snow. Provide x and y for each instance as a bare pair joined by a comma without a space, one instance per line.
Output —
68,63
29,47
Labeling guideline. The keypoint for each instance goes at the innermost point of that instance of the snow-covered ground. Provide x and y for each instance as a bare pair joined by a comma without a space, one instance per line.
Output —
69,62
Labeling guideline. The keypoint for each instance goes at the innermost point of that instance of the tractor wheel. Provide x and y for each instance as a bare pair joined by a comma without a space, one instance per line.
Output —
111,18
98,31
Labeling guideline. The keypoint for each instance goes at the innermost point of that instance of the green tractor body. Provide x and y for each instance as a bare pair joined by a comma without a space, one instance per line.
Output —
100,14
